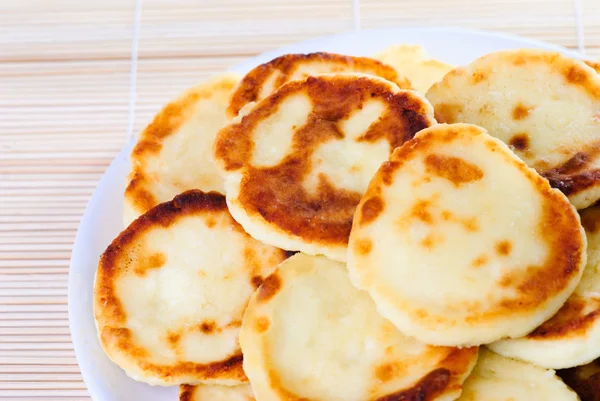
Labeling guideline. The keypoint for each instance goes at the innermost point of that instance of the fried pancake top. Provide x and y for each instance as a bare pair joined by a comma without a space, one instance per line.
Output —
496,378
266,78
308,334
413,62
544,105
585,380
460,243
171,290
296,166
173,154
572,336
214,392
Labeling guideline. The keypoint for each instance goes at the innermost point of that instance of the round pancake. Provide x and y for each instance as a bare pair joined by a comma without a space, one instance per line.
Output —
266,78
460,243
544,105
173,154
585,380
496,378
413,62
572,336
214,392
171,290
297,164
308,334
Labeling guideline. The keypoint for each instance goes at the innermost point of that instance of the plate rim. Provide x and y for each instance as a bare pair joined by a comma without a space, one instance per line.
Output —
270,54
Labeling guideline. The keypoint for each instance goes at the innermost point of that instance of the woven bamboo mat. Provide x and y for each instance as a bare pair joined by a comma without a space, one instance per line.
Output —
67,73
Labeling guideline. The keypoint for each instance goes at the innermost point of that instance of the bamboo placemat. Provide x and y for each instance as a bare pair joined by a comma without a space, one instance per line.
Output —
68,70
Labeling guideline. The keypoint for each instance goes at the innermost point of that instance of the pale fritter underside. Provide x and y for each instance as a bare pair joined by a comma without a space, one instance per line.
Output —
413,62
572,336
544,105
454,234
308,334
496,378
171,290
297,164
173,154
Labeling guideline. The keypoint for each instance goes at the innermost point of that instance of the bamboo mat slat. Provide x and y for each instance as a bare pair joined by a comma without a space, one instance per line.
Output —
67,123
549,20
34,30
591,27
180,46
63,117
235,27
65,113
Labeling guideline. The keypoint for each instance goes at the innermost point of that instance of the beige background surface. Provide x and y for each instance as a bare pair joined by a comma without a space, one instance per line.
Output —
68,69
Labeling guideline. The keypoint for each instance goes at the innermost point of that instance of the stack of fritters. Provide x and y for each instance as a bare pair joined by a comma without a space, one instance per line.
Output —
337,228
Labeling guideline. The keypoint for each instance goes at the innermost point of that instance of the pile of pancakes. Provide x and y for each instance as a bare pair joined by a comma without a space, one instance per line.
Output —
338,228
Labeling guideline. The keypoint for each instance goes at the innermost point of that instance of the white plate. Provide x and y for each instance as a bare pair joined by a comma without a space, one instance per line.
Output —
102,220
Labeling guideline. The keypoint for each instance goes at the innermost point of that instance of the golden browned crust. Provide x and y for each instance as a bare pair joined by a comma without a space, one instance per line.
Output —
371,209
575,174
165,123
447,112
110,315
269,288
570,320
448,377
441,380
585,380
446,370
521,111
519,142
559,227
186,392
276,193
453,169
573,71
363,246
248,90
426,389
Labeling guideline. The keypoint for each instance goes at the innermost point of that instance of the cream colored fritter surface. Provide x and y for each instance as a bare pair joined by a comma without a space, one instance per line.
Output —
413,62
460,243
297,164
544,105
171,290
309,334
173,154
496,378
572,336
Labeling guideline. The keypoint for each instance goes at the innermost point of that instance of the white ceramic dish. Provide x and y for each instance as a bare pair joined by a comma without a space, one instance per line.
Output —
102,220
